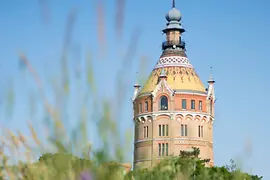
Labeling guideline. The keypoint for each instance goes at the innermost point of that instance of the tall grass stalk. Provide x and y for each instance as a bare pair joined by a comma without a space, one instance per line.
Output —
67,153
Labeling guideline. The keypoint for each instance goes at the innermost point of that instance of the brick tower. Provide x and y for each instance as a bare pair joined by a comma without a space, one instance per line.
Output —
173,110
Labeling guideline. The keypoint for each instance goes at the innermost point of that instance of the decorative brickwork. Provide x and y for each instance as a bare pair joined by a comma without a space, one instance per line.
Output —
174,61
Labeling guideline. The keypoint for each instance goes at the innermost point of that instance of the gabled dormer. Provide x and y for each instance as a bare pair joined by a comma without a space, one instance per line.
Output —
162,95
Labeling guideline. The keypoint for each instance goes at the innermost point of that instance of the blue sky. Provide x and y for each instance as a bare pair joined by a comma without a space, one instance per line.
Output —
232,36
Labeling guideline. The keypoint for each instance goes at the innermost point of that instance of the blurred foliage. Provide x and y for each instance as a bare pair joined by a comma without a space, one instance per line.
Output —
189,166
73,156
66,166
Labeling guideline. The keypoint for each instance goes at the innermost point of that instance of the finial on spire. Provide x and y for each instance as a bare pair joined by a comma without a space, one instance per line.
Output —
173,17
136,85
211,79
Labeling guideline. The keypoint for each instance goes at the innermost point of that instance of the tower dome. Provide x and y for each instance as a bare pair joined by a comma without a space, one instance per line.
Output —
173,15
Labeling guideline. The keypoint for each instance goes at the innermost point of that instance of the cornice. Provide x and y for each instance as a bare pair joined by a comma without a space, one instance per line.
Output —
175,140
149,116
188,92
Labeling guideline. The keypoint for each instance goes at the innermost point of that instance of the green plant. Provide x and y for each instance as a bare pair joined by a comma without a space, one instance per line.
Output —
189,166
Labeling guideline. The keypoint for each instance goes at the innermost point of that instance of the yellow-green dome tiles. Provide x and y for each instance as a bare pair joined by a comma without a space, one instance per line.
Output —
178,78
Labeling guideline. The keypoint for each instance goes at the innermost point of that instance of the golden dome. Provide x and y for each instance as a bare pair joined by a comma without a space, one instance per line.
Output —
180,75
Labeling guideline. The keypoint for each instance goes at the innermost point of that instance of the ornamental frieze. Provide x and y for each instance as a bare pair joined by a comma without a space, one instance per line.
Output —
200,143
173,61
174,115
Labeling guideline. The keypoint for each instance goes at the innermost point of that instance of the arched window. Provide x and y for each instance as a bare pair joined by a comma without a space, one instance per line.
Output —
140,107
163,103
146,106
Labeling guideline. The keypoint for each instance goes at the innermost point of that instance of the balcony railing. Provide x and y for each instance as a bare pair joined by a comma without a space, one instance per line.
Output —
173,44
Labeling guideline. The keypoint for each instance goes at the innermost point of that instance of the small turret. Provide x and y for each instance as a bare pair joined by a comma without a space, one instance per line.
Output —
210,89
136,90
211,94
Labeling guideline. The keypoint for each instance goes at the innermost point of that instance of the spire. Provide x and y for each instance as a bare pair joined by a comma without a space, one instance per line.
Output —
136,88
174,17
136,85
211,79
173,5
211,90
